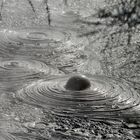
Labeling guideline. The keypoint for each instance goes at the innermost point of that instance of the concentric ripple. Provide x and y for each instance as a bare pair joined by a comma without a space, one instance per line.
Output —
16,72
30,65
103,98
7,136
36,35
33,42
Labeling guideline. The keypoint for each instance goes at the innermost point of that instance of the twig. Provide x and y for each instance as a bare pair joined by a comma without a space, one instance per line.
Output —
48,11
32,6
1,8
65,2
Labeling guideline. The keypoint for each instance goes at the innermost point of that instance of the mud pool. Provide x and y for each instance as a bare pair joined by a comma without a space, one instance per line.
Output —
65,74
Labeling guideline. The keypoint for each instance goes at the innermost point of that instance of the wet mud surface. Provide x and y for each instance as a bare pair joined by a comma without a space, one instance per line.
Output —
66,75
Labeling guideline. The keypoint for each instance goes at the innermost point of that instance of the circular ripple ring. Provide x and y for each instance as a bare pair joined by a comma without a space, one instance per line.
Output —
104,97
6,136
15,73
30,65
40,35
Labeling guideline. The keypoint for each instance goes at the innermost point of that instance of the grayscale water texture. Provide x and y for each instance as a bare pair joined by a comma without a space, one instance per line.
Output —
69,69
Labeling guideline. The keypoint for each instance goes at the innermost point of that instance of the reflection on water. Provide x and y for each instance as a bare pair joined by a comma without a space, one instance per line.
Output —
37,102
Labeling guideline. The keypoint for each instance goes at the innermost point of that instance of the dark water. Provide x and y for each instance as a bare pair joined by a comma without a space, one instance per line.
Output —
36,63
